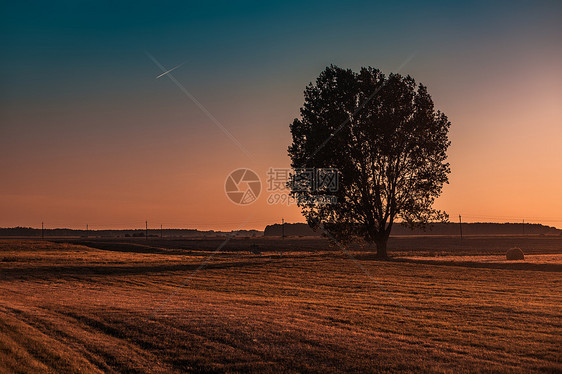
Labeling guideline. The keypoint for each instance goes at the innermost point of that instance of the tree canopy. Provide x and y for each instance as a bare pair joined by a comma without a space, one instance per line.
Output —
388,144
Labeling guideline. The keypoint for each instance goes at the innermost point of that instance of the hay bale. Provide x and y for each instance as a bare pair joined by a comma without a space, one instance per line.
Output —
515,254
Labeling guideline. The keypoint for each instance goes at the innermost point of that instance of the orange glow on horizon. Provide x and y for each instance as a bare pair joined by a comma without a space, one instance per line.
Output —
165,162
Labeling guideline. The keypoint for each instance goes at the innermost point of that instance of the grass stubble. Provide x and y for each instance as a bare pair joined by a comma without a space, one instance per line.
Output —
66,307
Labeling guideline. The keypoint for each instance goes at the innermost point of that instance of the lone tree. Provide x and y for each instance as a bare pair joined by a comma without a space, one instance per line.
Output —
388,144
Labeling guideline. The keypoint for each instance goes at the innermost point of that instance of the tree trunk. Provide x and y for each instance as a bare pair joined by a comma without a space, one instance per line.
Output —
381,248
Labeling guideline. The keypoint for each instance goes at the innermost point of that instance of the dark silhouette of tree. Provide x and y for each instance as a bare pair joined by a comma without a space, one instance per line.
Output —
389,145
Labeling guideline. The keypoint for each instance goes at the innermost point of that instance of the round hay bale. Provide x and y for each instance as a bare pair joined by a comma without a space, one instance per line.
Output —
515,254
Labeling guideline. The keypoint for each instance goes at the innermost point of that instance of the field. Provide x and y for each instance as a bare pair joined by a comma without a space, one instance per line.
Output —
177,305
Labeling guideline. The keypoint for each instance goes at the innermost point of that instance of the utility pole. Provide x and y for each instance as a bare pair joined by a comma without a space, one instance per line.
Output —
146,230
523,227
161,236
86,230
460,224
282,228
42,231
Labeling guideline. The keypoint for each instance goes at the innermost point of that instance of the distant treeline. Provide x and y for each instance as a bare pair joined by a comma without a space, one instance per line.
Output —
302,229
294,229
31,232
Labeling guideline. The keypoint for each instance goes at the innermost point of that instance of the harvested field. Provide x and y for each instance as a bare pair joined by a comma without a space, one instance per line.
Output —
66,307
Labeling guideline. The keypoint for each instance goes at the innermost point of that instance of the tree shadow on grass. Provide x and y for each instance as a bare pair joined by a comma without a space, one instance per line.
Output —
74,271
129,247
470,264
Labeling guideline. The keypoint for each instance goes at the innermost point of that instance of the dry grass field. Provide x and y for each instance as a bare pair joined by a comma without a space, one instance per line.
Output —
149,306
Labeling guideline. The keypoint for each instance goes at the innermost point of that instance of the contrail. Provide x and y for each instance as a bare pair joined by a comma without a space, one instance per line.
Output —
172,69
199,105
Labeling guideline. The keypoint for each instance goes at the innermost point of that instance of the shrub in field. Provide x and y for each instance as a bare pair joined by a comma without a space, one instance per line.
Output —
515,254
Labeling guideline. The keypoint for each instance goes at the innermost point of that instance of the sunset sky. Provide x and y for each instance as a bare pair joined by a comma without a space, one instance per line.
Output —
89,135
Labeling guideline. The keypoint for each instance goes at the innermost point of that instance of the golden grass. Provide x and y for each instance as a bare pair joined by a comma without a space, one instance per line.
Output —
70,308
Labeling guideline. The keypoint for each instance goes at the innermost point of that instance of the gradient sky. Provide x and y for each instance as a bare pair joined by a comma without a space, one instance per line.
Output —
88,135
